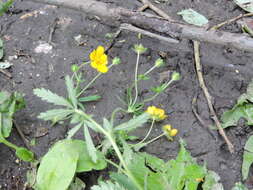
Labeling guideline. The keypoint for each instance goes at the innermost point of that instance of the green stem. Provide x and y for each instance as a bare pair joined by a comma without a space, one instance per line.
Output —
157,93
114,145
114,113
154,139
116,166
151,69
92,81
150,129
136,78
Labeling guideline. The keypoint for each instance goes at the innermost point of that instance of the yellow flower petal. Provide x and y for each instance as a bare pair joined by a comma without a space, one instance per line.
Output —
93,55
100,50
102,68
94,64
167,128
103,59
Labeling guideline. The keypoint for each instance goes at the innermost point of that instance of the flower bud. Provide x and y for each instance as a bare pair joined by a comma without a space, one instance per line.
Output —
139,48
175,76
74,68
116,61
159,62
173,132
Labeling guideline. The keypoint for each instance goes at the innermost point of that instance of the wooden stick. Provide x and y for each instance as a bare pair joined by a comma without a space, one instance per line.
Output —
147,33
158,11
230,21
6,73
208,96
114,16
199,118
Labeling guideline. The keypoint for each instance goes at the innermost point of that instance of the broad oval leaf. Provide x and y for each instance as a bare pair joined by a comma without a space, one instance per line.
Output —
192,17
24,154
57,167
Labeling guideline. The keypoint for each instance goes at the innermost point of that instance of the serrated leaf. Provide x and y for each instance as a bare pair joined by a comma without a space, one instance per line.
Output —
247,158
71,91
73,131
247,5
50,97
55,115
89,98
107,125
184,171
108,185
192,17
4,65
212,181
57,167
90,146
24,154
133,123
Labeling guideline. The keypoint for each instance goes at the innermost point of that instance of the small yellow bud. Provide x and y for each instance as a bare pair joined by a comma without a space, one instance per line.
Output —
175,76
167,128
173,132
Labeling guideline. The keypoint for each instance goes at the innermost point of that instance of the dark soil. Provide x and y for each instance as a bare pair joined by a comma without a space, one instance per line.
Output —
227,73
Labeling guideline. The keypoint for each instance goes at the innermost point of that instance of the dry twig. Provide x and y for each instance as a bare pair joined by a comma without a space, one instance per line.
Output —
147,33
6,73
208,96
147,4
230,21
21,134
114,16
199,118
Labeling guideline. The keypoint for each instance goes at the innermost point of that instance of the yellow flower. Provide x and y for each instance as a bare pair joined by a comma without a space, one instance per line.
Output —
173,132
99,60
169,131
156,113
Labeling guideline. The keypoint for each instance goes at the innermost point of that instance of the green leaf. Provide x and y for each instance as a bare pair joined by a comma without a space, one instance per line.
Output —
123,180
77,184
108,185
57,167
192,17
212,181
247,158
50,97
239,186
107,125
184,171
143,77
55,115
74,130
85,162
133,123
24,154
246,5
71,91
4,6
90,146
6,125
89,98
242,109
